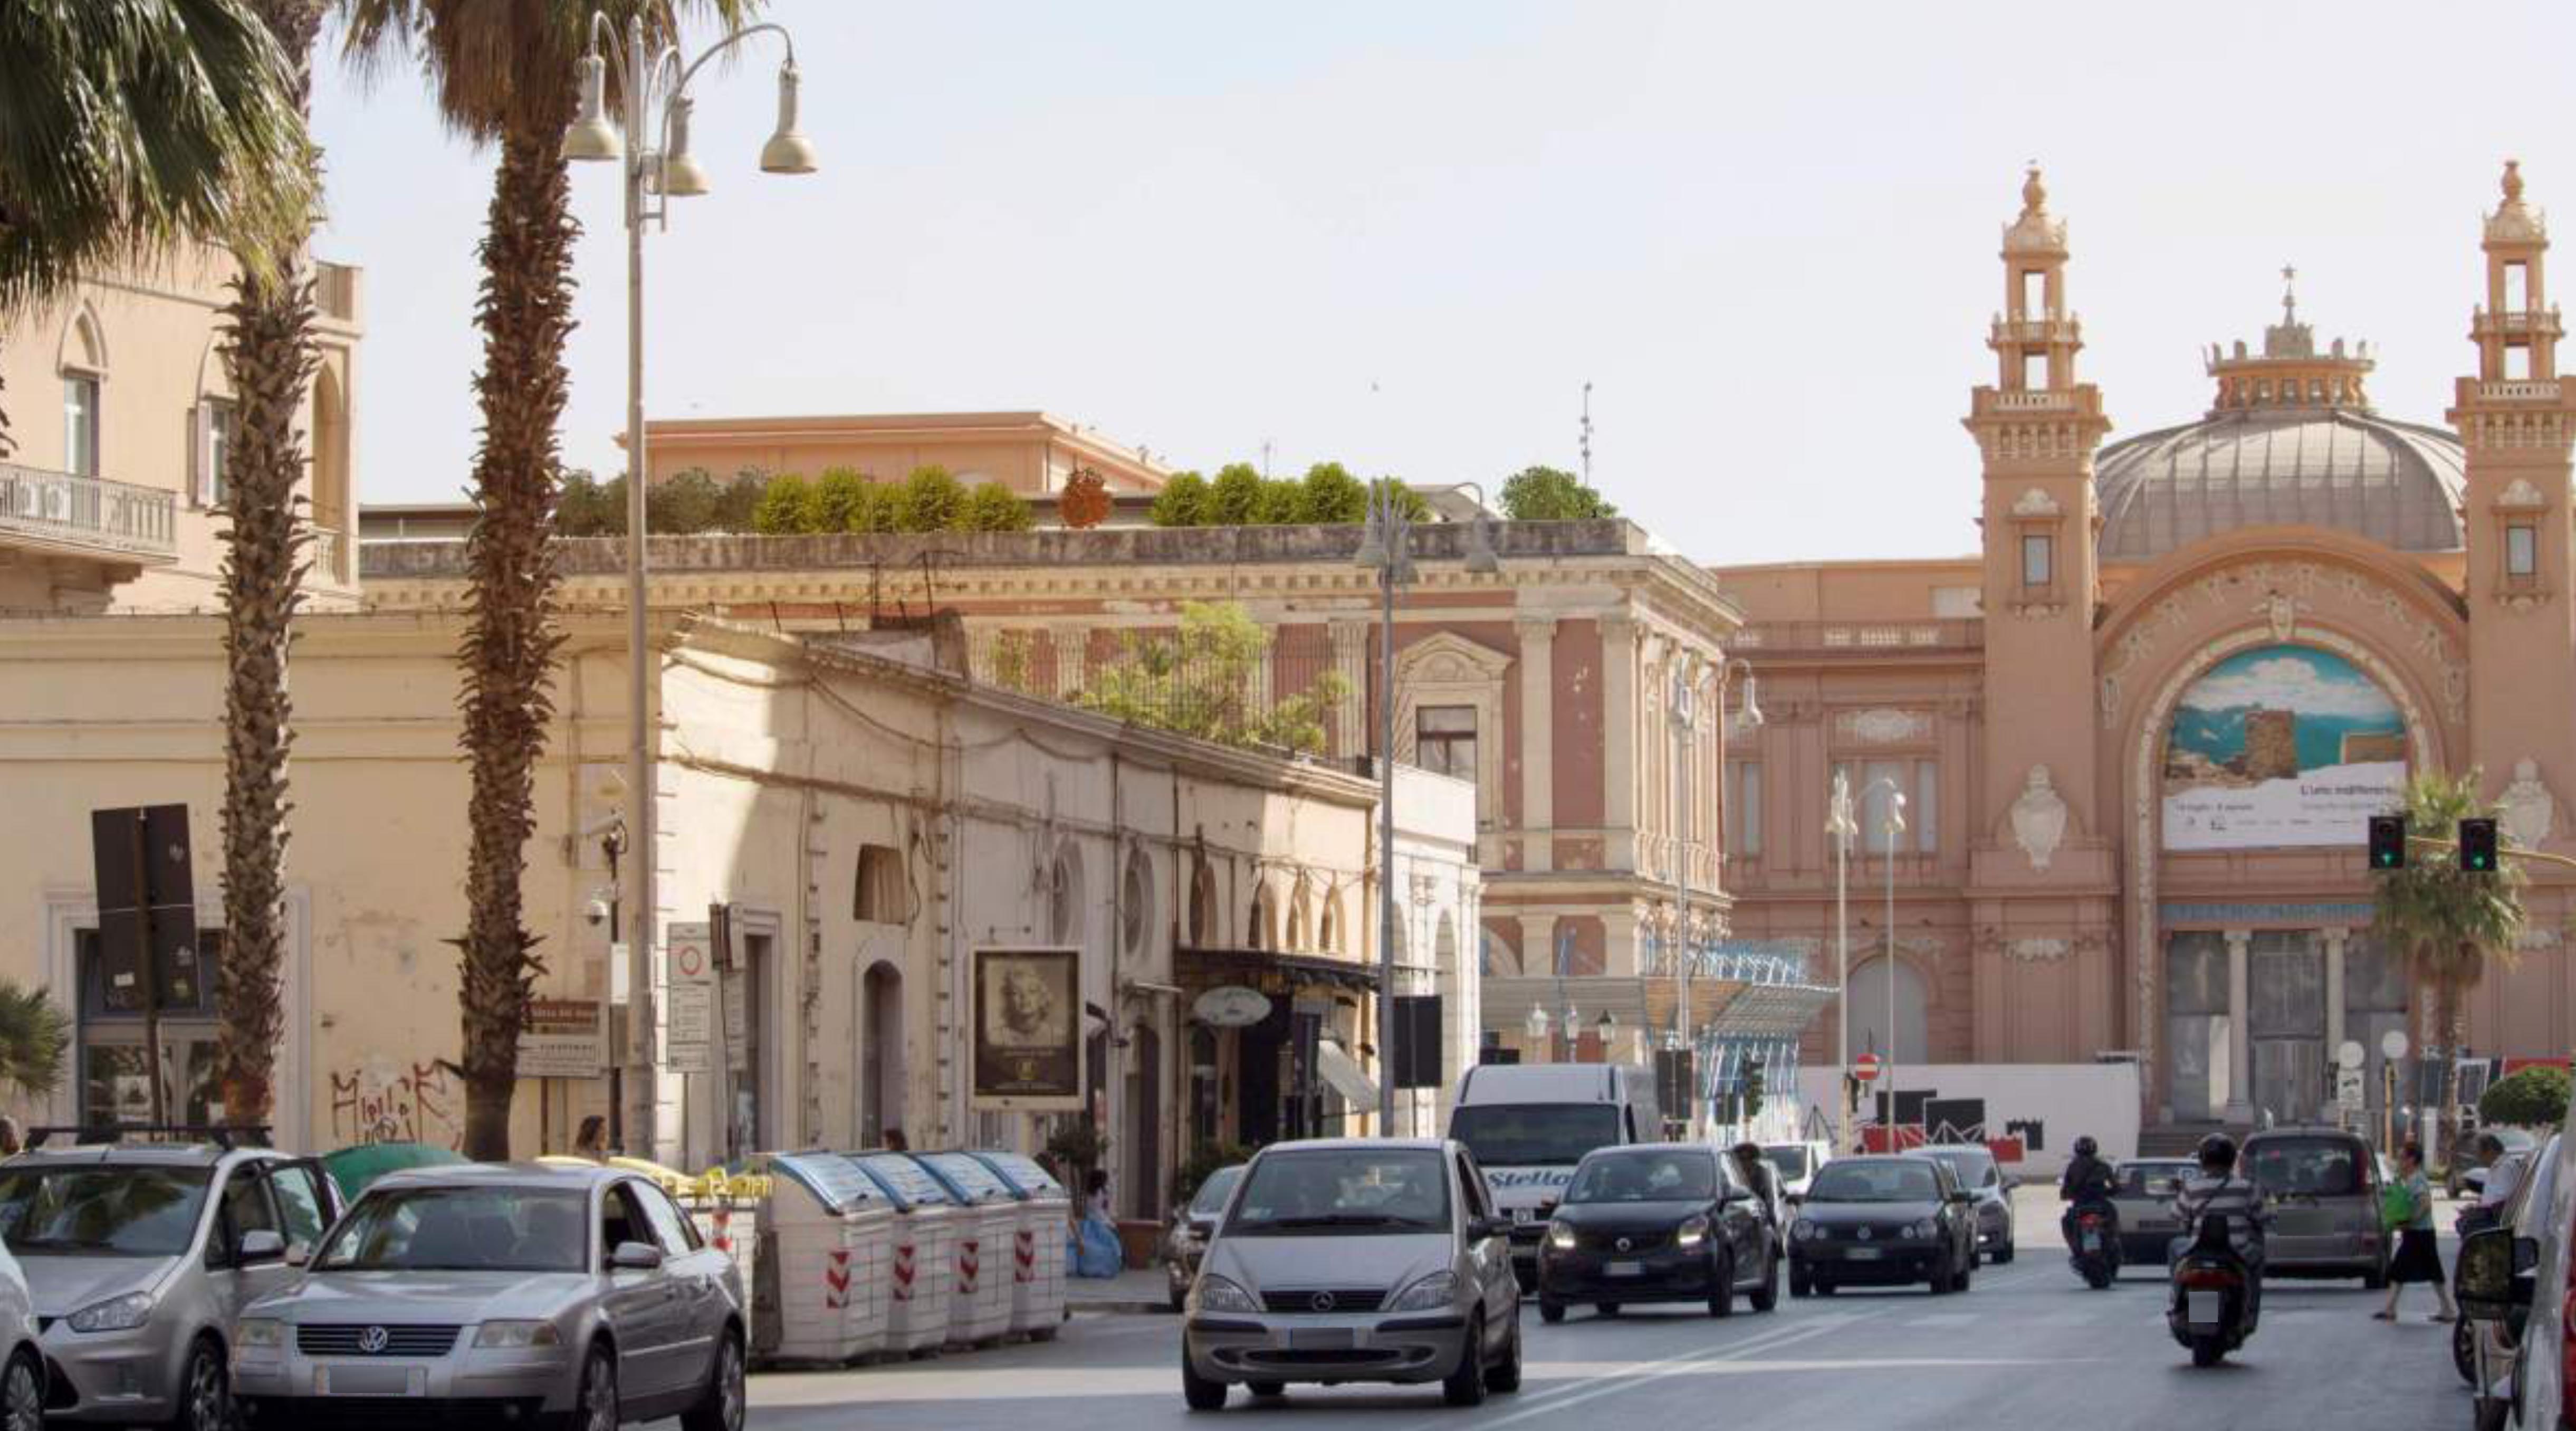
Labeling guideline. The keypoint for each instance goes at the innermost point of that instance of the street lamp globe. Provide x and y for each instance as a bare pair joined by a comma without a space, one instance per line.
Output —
591,137
682,176
788,151
1752,716
1481,559
1536,1023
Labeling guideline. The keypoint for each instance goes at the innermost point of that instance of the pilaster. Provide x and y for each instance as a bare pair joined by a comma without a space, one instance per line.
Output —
1619,739
2240,1046
1537,660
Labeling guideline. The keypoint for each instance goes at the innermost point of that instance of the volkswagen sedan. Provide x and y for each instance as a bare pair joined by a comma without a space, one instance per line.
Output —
1658,1222
1883,1221
502,1294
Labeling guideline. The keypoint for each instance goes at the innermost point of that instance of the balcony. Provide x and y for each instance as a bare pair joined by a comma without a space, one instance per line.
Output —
1939,634
87,516
2025,331
330,554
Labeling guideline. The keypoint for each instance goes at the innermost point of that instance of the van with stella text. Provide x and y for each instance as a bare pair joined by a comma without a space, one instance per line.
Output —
1529,1125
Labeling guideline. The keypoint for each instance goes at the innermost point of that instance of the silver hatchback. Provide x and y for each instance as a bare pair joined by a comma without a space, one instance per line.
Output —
1356,1260
502,1294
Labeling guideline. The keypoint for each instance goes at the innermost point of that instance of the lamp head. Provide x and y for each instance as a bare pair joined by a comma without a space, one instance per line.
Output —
591,137
682,176
1536,1023
1372,553
788,151
1752,705
1481,557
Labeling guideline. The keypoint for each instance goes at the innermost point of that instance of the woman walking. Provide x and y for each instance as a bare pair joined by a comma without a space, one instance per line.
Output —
2417,1259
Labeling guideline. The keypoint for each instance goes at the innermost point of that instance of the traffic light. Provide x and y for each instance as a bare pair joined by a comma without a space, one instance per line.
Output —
2478,846
2388,842
1752,1088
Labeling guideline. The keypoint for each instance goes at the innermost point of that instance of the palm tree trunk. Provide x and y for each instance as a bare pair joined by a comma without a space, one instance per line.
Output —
2446,1033
510,642
269,352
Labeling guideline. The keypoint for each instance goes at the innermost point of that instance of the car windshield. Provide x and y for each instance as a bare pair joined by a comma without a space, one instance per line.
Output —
2157,1180
94,1210
1891,1180
1351,1190
2313,1167
1534,1135
1974,1166
1790,1162
1645,1177
1212,1193
462,1230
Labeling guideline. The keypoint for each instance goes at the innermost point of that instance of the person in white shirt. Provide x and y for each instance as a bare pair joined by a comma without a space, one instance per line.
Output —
2504,1174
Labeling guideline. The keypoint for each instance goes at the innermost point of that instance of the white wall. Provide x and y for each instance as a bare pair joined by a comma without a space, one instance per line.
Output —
2049,1105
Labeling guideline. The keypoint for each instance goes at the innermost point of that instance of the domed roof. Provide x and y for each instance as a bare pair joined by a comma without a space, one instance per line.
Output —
2292,441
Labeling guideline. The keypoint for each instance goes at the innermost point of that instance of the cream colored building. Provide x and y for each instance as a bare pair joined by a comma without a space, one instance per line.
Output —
1032,453
120,414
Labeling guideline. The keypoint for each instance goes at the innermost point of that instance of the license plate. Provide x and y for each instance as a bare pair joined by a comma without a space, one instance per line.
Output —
2092,1242
1521,1214
1319,1339
1625,1269
370,1381
2201,1309
1861,1254
2153,1226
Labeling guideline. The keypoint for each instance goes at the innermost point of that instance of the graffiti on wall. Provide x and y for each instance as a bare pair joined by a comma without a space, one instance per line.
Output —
383,1102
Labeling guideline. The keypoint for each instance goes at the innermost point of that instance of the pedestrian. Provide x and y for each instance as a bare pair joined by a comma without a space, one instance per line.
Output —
1095,1189
11,1141
1757,1176
2417,1260
592,1141
895,1141
2503,1175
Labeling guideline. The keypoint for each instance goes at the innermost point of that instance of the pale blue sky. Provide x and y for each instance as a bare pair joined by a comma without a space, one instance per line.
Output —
1404,236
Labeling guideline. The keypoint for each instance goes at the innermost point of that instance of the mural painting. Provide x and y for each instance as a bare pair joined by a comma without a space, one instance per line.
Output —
2279,746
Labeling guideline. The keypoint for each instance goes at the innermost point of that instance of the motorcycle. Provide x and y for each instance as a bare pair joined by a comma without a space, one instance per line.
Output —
2211,1309
2093,1241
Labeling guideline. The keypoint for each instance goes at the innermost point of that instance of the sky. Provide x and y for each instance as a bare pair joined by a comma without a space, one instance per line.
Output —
1405,237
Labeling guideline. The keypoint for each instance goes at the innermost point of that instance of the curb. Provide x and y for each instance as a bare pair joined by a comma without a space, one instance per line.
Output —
1122,1307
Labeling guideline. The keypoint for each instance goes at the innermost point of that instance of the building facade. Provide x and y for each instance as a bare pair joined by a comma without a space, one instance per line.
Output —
1031,453
2140,730
120,418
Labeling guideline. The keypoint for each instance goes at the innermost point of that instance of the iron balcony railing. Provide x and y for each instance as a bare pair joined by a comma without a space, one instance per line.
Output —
90,512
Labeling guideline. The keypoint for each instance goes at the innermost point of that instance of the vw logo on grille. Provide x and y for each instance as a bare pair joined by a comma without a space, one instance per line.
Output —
372,1340
1321,1301
1865,1234
1624,1244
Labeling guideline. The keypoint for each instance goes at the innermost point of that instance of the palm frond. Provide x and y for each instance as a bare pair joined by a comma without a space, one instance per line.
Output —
35,1038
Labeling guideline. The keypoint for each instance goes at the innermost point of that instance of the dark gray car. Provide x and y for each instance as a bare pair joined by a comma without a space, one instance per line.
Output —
1979,1173
503,1294
1186,1240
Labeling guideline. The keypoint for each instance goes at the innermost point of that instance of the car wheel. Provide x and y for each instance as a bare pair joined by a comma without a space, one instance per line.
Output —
1721,1288
1201,1393
1824,1288
722,1407
1550,1312
2464,1350
1767,1296
1607,1309
1504,1377
1266,1388
205,1397
595,1405
1799,1283
1465,1383
2004,1254
1943,1277
1965,1275
22,1396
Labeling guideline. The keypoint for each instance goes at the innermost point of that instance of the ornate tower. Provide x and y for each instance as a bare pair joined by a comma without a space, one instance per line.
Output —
2036,428
2517,418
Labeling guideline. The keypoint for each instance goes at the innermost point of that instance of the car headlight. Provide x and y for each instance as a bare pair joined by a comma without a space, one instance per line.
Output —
116,1314
1693,1231
1920,1230
1803,1230
1429,1294
259,1334
1560,1235
1216,1294
508,1335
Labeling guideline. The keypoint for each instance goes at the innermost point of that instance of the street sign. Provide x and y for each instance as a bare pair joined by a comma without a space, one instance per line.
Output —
2348,1089
2392,1044
2349,1054
563,1038
1865,1068
689,1044
1231,1006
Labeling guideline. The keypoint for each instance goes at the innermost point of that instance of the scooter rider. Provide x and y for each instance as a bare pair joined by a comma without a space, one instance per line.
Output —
2088,1178
2218,1190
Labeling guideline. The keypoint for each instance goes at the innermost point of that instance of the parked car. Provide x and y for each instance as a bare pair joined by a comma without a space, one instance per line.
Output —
2495,1344
1658,1222
1883,1220
2143,1196
2322,1186
1186,1240
22,1360
1346,1259
500,1294
1792,1164
138,1256
1975,1166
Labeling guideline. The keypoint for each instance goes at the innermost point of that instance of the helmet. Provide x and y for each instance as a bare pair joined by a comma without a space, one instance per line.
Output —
2085,1147
2218,1152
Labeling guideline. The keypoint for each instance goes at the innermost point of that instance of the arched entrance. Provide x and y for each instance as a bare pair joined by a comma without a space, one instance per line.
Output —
880,1025
1869,1020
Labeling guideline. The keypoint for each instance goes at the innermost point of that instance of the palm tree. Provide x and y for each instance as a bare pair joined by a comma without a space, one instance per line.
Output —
504,73
131,128
268,329
35,1037
2444,922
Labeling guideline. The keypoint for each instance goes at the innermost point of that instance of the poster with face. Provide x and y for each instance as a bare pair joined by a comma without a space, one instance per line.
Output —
1028,1029
2279,746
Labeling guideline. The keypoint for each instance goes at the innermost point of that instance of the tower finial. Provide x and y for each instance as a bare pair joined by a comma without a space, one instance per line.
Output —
2289,295
2513,181
2034,194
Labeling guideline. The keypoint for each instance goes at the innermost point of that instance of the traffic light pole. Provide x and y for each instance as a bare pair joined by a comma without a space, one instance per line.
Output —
2438,843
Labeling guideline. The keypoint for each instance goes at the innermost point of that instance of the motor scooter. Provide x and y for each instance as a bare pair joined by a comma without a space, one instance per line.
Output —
2212,1309
2093,1241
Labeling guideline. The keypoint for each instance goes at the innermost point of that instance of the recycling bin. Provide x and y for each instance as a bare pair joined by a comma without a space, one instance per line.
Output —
920,1260
1037,1244
726,1208
987,1221
822,1292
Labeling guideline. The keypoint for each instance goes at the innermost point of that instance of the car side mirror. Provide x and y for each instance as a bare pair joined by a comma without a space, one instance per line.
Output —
259,1245
1738,1195
1491,1227
2011,1183
1797,1199
2486,1273
635,1257
1962,1195
297,1254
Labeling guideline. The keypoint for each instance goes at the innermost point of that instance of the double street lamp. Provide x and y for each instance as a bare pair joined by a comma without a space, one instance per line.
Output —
1841,825
1386,547
653,90
1684,718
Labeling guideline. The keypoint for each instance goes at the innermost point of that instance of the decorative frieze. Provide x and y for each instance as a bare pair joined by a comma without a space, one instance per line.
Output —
1883,727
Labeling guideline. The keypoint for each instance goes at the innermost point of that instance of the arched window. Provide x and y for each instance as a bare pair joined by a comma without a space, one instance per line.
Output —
84,369
1203,910
880,1053
1328,923
1869,1010
1064,897
1136,902
330,452
1300,916
1261,930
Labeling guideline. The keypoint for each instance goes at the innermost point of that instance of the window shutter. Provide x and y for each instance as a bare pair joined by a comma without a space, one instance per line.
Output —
201,454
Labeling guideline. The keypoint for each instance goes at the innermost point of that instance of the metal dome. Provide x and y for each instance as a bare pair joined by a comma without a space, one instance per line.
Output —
2345,468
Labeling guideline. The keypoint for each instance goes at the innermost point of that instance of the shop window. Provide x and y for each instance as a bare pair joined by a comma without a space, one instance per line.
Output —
115,1070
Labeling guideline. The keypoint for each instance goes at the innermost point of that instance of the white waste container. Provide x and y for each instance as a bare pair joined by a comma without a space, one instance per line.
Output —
988,1222
1037,1246
921,1262
830,1246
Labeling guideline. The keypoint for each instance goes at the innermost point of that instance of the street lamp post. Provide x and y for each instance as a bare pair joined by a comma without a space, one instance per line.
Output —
1386,545
1840,826
1890,828
654,155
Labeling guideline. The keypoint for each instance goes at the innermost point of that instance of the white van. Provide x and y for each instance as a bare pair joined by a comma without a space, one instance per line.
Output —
1529,1124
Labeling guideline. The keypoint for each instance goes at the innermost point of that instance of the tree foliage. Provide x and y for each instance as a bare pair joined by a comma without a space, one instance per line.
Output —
1210,680
789,505
992,507
1234,498
35,1039
1331,495
2534,1097
683,504
1548,494
1183,502
930,500
1085,500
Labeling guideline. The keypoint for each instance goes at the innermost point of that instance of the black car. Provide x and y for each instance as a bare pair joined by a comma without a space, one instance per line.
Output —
1186,1240
1883,1222
1658,1222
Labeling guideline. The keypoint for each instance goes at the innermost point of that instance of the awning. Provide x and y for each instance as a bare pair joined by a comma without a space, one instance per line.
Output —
1345,1074
1248,966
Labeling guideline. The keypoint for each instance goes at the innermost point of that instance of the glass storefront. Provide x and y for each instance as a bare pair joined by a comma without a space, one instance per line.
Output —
115,1069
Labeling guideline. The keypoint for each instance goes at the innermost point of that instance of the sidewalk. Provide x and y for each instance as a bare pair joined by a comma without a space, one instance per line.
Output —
1135,1290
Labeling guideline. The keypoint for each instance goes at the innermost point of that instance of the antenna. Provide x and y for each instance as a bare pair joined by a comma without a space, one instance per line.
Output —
1587,432
1265,459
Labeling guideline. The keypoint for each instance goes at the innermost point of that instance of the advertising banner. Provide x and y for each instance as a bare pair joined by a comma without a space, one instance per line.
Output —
563,1038
2279,746
1028,1029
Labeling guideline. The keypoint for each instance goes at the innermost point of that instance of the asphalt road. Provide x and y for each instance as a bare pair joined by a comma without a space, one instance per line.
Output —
2029,1345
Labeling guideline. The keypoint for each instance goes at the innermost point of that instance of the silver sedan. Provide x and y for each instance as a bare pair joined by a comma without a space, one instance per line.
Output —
503,1294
